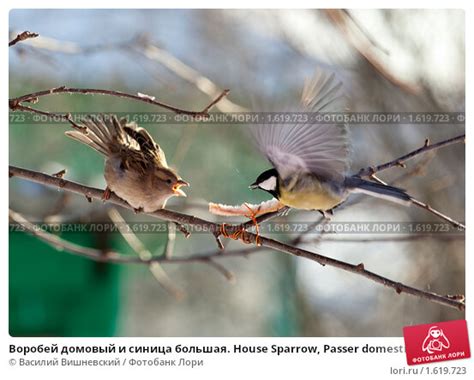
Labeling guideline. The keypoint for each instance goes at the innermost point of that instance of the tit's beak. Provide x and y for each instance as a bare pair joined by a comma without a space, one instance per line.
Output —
177,188
253,186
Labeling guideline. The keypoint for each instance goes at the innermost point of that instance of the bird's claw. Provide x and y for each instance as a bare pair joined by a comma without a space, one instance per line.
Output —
241,232
252,216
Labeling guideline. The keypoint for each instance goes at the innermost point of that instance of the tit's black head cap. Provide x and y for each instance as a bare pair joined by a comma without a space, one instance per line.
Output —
264,177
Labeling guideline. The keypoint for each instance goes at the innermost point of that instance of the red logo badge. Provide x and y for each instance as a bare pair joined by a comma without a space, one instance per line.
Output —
436,342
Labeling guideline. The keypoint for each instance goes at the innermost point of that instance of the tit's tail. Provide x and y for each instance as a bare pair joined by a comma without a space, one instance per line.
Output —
390,193
105,134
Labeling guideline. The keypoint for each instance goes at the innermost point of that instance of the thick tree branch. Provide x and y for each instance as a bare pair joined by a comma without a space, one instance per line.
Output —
205,225
15,104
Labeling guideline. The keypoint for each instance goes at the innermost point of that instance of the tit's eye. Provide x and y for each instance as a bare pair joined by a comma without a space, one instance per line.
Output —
168,181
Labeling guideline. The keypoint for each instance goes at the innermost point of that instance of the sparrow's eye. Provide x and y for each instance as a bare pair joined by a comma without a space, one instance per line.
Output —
168,181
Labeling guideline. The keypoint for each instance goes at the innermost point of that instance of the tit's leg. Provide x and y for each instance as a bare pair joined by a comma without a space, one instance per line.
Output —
235,235
252,216
239,233
331,211
326,213
106,194
138,210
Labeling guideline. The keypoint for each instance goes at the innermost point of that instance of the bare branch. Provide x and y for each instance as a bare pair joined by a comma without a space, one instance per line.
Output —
367,172
223,270
359,40
383,239
170,243
21,37
144,254
15,103
430,209
142,46
61,244
183,230
215,101
214,229
202,83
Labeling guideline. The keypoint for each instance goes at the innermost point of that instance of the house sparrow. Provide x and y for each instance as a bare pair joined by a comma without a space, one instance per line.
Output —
135,166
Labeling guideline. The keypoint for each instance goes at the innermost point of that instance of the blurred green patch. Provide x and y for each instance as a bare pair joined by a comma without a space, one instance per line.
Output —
53,293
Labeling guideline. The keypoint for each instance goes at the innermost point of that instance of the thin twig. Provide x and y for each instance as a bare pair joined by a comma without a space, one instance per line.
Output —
388,239
366,33
183,230
416,170
214,228
182,70
61,244
144,254
171,240
356,37
323,222
427,207
219,243
21,37
299,239
225,92
430,209
223,270
367,172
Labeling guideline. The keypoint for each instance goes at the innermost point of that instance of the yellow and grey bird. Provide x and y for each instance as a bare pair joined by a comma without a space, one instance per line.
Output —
310,159
135,166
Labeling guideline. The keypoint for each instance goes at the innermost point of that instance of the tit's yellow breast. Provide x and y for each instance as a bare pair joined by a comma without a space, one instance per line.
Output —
318,196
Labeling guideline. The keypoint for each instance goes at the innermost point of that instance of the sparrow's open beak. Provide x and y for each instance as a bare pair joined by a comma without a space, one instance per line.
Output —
253,186
177,188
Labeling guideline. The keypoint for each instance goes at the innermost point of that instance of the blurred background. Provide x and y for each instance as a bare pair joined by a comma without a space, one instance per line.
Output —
388,60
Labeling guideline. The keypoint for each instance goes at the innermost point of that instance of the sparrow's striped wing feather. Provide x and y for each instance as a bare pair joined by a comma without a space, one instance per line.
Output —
310,147
147,145
111,136
105,134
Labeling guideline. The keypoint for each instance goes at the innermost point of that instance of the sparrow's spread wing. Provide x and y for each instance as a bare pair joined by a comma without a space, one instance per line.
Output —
105,134
112,137
147,145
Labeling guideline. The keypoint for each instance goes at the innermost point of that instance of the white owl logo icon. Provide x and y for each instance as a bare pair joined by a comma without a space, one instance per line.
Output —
435,341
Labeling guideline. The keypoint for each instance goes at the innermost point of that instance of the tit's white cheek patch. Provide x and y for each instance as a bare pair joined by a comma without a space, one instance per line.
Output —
268,184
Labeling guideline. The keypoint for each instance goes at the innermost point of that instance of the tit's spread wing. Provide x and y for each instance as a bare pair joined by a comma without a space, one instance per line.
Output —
310,147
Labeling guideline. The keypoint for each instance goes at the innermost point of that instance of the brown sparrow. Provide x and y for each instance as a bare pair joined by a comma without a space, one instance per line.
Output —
135,165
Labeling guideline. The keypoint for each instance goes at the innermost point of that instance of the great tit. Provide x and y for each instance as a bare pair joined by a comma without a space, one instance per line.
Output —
310,159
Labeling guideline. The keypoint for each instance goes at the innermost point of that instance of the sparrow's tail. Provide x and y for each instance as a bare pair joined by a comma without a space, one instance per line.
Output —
391,193
105,134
